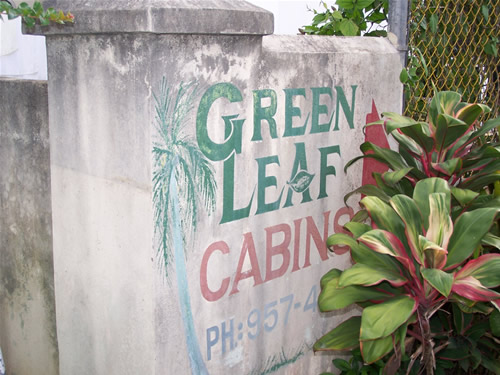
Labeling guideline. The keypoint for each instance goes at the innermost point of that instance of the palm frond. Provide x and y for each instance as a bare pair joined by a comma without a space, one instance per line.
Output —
175,154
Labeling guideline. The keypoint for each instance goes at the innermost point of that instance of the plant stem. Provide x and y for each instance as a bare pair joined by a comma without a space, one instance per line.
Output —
428,359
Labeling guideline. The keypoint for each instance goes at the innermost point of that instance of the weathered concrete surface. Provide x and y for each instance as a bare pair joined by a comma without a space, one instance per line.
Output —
140,288
164,16
27,307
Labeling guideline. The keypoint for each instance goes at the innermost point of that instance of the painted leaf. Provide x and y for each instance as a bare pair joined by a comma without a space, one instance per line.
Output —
362,274
407,209
440,280
343,337
486,269
469,229
423,189
374,350
434,255
470,288
301,181
333,298
440,225
383,319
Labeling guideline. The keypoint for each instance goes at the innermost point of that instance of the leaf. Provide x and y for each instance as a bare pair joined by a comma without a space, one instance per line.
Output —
491,240
357,229
383,319
362,274
408,211
434,255
423,189
448,130
448,167
346,4
472,289
443,102
495,323
485,10
392,178
470,113
440,225
433,22
403,76
384,216
374,350
333,298
301,181
343,337
486,269
368,190
463,196
348,28
440,280
341,364
330,275
469,229
360,4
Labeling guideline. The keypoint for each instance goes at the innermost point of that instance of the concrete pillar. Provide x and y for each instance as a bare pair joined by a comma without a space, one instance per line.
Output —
197,169
398,25
28,338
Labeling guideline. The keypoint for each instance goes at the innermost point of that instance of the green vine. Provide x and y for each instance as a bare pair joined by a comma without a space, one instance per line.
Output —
32,16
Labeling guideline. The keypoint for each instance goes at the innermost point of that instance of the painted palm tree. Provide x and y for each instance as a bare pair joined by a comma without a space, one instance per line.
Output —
182,181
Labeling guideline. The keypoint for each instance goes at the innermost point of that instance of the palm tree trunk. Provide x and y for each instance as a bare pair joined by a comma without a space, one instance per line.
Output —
195,358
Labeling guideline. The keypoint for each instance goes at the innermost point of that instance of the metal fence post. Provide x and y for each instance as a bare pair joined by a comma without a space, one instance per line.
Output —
398,25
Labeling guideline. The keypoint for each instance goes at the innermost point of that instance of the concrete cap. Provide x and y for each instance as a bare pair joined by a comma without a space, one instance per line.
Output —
229,17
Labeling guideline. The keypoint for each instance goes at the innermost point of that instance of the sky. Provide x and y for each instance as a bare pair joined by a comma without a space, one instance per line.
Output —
290,15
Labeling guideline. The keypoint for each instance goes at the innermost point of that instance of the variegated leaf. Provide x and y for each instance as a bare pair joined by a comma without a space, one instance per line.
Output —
440,224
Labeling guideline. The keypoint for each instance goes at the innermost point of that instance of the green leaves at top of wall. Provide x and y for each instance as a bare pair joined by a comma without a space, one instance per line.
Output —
350,18
35,15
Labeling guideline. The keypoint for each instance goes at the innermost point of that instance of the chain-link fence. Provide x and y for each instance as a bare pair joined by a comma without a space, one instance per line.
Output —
453,45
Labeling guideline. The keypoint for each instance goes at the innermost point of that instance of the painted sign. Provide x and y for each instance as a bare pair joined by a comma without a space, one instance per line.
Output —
247,186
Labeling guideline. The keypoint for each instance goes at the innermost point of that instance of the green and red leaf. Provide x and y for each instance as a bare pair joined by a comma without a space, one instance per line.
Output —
470,288
485,269
384,242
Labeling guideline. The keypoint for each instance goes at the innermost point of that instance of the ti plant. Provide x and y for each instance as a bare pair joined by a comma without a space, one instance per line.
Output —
36,14
413,259
450,145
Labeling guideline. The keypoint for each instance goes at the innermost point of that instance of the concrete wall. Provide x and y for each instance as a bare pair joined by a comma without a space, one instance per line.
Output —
197,168
27,307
